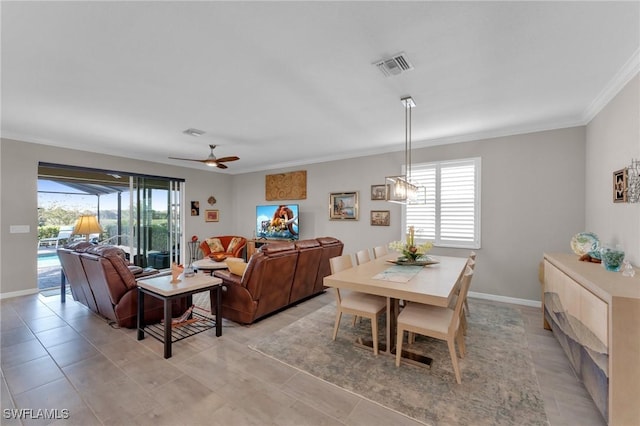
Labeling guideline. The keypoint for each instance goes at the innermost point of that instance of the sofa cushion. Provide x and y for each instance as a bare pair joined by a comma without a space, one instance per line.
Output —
233,244
215,245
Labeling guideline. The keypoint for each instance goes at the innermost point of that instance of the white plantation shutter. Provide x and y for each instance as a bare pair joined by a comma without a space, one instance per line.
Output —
451,216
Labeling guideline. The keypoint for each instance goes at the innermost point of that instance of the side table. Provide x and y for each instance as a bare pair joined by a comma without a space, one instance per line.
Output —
162,288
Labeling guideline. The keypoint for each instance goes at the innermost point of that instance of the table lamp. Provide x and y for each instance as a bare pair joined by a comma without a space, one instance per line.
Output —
86,225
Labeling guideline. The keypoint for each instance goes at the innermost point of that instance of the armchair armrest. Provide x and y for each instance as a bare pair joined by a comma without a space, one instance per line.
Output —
228,278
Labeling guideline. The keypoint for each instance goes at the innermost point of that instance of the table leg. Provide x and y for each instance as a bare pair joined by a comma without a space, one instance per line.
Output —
218,304
167,328
63,287
140,314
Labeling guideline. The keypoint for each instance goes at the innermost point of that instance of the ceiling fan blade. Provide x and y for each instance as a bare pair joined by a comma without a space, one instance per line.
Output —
222,166
185,159
224,159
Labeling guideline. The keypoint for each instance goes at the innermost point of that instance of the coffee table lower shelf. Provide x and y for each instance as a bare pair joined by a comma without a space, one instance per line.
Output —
197,324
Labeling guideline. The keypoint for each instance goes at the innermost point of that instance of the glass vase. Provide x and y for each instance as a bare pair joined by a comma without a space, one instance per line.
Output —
612,257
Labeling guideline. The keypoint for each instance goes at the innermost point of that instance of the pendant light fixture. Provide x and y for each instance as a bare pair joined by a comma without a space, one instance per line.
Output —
401,189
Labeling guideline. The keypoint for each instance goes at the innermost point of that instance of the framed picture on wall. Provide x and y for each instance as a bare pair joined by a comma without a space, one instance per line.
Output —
378,192
380,217
343,206
620,186
195,208
211,216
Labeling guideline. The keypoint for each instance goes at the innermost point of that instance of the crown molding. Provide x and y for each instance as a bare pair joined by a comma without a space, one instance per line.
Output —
622,77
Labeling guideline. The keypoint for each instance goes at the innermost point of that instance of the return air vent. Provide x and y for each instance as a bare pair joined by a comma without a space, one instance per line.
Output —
395,65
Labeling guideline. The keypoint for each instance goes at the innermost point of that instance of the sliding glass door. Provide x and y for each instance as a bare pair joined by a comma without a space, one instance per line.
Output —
142,214
156,221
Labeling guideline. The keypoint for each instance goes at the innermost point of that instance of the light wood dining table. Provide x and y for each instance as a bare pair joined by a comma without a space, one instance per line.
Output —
432,285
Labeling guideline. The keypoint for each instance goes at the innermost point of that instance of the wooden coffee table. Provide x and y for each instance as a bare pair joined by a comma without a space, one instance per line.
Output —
162,288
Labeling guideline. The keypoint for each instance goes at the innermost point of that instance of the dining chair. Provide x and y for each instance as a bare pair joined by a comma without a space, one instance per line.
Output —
472,256
355,303
456,291
380,251
363,256
437,322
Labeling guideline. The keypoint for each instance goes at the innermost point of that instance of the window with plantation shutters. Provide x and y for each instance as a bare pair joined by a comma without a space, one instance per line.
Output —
451,215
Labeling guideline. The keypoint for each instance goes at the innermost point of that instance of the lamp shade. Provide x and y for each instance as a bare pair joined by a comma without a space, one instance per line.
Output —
87,224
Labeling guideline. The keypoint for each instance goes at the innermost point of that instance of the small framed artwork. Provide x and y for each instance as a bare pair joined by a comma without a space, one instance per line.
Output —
343,206
380,217
211,216
195,208
620,186
378,192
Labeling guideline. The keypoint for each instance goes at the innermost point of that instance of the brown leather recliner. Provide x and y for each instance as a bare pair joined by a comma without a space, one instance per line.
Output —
279,275
331,247
74,273
309,257
112,285
265,286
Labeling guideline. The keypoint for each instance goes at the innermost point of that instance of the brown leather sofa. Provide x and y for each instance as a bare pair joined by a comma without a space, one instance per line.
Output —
279,275
101,278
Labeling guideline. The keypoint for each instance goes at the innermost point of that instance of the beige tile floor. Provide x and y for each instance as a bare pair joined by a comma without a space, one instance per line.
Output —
56,355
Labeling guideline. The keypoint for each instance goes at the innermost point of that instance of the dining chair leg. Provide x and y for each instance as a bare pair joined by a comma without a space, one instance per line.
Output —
461,345
374,332
399,346
463,322
335,328
411,338
355,318
454,359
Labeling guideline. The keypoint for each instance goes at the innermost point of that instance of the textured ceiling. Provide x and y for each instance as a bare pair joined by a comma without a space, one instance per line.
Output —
288,83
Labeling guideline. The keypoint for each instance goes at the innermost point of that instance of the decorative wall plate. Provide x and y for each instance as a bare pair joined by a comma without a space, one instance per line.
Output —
211,200
584,243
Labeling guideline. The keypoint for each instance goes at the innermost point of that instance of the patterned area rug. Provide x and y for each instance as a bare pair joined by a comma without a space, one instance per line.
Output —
499,385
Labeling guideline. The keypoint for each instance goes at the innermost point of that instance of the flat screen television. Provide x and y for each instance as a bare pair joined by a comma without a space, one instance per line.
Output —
277,222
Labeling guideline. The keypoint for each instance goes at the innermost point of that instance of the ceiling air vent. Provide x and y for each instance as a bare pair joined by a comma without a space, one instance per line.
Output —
395,65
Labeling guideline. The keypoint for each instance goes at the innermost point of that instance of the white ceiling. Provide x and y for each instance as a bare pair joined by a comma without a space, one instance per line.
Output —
289,83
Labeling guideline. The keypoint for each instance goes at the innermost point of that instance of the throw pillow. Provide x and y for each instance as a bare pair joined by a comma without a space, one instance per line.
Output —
233,244
236,266
215,245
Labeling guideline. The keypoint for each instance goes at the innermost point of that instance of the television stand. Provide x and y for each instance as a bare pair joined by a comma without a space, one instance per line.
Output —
254,244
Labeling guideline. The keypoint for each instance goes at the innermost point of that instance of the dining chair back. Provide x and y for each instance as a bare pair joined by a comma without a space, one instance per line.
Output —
437,322
354,303
380,251
363,256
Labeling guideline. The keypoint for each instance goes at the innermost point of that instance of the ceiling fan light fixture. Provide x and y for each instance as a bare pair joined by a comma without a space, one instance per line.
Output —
194,132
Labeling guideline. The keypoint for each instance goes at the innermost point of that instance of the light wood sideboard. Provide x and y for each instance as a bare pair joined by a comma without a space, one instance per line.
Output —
601,312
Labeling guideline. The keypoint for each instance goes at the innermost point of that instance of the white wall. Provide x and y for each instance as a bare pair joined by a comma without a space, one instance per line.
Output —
532,202
612,140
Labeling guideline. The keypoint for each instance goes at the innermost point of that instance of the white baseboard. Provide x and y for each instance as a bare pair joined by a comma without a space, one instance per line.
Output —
505,299
18,293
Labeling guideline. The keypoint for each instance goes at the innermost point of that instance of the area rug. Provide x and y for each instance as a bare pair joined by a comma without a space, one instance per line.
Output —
499,385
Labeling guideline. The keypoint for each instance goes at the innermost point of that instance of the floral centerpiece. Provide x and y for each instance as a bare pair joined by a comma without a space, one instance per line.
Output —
410,251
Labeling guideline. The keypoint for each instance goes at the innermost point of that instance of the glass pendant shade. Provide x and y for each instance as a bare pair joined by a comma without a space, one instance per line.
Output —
398,189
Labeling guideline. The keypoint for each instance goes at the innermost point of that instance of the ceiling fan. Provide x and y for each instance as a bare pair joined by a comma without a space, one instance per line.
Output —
211,160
